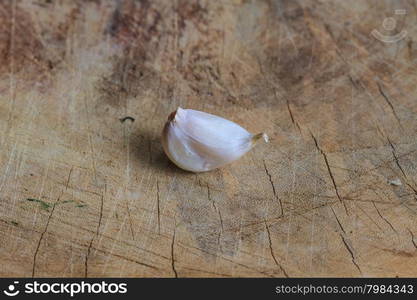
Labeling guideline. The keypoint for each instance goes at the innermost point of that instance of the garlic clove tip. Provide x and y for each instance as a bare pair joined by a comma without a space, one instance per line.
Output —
259,136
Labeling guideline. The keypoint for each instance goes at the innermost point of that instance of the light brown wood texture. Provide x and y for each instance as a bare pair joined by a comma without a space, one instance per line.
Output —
84,192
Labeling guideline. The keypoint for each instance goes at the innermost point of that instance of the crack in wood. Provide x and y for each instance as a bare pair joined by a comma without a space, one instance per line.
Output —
216,209
337,219
369,217
216,255
412,238
385,96
47,223
158,209
96,233
397,162
330,172
273,188
350,250
383,218
272,252
174,270
292,115
393,151
357,84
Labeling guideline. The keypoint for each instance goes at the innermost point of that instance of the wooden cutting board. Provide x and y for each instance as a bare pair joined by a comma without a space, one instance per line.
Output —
86,190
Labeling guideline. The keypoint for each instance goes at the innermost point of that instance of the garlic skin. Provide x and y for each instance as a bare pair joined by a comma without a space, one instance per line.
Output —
197,141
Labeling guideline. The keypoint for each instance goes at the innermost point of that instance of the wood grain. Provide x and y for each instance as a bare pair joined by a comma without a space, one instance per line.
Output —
87,191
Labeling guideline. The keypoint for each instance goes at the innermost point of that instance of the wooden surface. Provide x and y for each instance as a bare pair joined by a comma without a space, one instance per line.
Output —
84,192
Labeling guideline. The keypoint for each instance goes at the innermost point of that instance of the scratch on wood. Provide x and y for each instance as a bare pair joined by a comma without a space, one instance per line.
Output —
208,272
119,256
130,220
90,140
11,64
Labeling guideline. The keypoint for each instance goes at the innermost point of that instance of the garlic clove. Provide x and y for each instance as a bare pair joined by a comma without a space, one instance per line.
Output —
197,141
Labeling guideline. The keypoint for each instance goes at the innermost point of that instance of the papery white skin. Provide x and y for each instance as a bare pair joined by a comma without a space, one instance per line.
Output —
197,141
